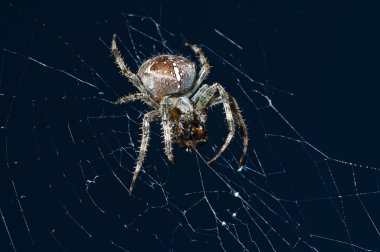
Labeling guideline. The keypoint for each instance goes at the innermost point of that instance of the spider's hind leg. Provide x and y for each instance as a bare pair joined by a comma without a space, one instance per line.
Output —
133,78
203,72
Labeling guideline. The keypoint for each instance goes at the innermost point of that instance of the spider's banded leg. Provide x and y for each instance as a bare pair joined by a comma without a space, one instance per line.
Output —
148,118
200,96
134,97
203,72
127,72
167,130
205,97
242,127
229,117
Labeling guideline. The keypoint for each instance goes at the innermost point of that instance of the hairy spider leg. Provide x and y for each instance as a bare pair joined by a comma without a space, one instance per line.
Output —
165,121
135,97
205,99
203,72
243,128
133,78
148,118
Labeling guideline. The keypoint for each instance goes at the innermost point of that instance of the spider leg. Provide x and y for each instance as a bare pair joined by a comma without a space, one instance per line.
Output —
229,117
205,97
128,73
202,96
148,118
203,72
165,120
135,97
242,126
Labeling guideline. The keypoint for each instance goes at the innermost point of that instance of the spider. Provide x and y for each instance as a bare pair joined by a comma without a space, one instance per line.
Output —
169,84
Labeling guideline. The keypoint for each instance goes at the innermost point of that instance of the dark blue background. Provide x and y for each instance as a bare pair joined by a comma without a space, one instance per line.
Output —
324,52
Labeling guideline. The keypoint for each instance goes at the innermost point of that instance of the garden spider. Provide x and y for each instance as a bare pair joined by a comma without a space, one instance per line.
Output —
168,84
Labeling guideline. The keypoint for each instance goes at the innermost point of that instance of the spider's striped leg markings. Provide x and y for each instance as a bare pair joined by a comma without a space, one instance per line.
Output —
148,118
127,73
206,97
229,117
134,97
165,120
200,98
203,72
210,96
242,127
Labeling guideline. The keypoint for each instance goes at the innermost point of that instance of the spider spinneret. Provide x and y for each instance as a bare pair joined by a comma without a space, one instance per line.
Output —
169,84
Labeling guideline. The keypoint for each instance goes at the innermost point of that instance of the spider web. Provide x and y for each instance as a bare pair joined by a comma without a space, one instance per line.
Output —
68,153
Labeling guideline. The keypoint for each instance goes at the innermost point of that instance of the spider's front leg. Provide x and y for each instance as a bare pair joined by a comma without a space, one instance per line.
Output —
242,127
148,118
229,117
165,119
207,97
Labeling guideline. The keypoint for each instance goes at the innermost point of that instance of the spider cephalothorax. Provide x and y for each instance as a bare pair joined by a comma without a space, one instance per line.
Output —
170,85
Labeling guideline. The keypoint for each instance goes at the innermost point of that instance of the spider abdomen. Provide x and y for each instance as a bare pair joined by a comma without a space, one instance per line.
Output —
167,75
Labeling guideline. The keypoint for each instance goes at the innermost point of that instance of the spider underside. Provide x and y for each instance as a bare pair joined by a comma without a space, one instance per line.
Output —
168,84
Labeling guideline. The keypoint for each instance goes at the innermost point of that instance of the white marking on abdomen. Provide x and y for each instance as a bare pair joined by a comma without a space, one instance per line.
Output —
176,71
